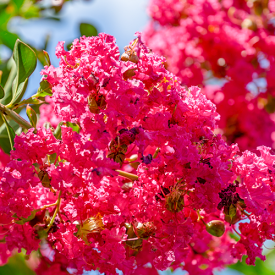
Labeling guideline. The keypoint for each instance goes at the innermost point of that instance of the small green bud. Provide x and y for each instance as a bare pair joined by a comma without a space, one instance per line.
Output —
215,228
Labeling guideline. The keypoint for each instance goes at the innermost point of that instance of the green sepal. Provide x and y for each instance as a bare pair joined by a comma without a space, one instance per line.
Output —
24,220
232,211
74,126
47,57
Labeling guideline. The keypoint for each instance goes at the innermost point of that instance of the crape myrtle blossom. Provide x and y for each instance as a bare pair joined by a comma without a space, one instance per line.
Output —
145,185
47,114
227,40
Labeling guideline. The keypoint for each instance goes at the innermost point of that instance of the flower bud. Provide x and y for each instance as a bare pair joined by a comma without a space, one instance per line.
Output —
145,230
215,228
92,225
174,201
249,24
134,58
137,242
125,57
96,102
44,177
130,57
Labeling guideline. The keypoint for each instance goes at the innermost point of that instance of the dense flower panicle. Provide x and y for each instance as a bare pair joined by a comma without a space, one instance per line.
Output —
145,181
227,42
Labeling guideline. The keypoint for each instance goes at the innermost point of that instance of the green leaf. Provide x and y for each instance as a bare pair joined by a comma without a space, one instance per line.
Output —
260,267
74,126
28,101
25,60
16,266
32,116
57,132
87,29
44,89
2,92
9,77
47,57
18,3
4,138
68,46
8,38
29,218
10,131
20,92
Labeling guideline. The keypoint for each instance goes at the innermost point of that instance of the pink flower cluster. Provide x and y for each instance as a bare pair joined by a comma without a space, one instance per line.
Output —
227,46
146,184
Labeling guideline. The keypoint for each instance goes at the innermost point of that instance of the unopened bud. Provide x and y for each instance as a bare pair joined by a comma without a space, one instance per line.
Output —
96,103
125,57
249,24
215,228
145,230
130,57
174,201
92,225
44,177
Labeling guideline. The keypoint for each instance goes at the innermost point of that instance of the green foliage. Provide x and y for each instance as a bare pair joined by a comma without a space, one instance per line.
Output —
87,29
16,266
43,90
261,267
29,218
10,131
32,116
25,60
2,92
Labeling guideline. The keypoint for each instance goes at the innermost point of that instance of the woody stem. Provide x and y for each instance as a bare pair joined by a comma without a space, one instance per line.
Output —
14,116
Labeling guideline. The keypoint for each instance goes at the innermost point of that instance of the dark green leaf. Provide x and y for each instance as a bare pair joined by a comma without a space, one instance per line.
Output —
11,133
2,92
9,76
4,138
25,60
87,29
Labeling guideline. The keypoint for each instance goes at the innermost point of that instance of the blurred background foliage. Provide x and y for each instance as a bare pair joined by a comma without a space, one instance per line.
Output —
44,23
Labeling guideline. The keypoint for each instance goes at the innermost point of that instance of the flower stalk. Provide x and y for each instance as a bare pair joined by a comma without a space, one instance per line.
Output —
14,116
57,209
